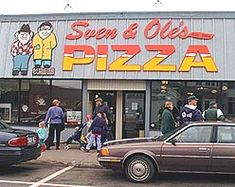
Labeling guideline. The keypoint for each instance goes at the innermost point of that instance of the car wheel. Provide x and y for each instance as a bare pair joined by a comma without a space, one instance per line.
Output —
139,169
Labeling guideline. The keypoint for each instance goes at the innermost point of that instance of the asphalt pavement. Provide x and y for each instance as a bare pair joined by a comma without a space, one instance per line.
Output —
34,174
74,168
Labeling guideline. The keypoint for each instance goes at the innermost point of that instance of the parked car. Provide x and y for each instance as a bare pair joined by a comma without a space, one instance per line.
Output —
206,147
17,145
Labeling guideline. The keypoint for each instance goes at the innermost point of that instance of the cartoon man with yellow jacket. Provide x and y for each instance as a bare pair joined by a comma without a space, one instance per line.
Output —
44,42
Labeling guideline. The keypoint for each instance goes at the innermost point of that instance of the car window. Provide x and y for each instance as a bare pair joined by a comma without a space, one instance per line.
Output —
195,134
2,125
226,134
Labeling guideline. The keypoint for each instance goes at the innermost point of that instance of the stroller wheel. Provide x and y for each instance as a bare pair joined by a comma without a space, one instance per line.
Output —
67,147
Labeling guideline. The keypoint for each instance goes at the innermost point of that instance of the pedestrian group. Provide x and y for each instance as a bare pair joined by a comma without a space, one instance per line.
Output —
171,117
97,130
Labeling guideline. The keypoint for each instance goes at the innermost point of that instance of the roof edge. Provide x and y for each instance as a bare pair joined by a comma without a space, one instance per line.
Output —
119,15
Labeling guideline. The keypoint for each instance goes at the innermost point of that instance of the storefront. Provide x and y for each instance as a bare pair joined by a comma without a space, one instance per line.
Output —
134,61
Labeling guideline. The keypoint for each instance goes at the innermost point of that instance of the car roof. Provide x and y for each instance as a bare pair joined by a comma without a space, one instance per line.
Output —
211,123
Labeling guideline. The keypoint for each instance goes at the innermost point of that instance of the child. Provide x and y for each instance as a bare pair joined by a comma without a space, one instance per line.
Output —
88,125
42,135
96,132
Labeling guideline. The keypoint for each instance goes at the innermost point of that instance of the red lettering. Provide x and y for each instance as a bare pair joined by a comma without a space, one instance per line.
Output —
184,33
79,33
111,33
101,33
164,29
148,28
90,33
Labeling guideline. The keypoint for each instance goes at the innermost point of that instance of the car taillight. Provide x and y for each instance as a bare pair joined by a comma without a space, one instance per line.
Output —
18,142
37,140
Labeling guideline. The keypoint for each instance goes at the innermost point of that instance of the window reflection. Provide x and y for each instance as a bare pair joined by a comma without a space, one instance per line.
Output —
69,92
9,100
35,100
178,92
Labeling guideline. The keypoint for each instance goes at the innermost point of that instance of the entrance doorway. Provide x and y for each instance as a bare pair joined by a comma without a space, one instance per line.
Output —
133,114
109,98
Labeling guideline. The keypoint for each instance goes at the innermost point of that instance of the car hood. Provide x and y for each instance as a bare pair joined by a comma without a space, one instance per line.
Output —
128,141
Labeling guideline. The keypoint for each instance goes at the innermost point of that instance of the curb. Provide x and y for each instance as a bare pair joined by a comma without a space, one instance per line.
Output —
71,163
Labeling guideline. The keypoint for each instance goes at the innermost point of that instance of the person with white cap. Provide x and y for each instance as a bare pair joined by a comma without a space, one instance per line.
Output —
54,117
190,112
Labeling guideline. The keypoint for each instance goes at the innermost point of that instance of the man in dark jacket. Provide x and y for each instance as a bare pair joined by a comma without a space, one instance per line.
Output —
168,121
213,113
190,112
101,107
104,109
96,130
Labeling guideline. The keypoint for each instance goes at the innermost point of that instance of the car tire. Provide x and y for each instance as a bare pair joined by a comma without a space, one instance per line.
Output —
139,169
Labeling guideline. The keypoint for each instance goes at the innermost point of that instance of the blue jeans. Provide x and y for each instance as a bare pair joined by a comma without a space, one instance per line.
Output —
42,62
20,62
92,139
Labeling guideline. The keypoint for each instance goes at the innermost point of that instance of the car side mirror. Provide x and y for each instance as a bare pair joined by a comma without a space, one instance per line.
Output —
173,141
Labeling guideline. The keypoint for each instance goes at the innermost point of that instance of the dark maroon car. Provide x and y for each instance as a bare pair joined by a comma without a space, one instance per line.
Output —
194,148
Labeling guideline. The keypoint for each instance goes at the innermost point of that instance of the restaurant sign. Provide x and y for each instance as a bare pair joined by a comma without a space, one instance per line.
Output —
196,56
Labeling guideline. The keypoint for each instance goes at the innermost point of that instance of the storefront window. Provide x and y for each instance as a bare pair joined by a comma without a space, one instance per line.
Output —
178,92
9,100
69,92
34,101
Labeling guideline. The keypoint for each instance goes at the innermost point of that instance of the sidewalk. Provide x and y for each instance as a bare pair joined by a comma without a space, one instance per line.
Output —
73,156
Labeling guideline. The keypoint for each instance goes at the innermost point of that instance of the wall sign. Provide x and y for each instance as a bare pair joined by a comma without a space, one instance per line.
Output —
39,45
154,29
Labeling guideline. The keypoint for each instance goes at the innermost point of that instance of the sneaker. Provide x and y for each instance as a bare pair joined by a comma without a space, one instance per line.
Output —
66,148
84,149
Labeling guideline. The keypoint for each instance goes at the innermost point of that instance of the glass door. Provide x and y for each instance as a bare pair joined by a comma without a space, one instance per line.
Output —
133,114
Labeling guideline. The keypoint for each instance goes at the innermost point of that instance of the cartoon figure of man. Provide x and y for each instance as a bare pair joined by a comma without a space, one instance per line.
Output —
21,50
44,42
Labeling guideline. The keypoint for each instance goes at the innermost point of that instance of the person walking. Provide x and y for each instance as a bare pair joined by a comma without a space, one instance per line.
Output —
54,118
213,113
104,109
96,130
168,120
190,112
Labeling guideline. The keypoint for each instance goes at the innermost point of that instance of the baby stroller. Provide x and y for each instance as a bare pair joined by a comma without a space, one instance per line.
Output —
77,136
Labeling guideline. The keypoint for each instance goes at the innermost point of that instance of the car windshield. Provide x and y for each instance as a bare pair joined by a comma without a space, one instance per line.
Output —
165,136
3,125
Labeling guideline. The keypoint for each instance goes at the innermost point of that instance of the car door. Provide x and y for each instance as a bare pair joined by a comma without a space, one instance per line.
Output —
223,153
189,150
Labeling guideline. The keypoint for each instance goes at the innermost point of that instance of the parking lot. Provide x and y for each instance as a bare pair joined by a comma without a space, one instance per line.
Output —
33,174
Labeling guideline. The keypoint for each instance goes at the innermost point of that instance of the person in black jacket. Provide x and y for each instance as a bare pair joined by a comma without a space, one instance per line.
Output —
101,107
104,109
96,129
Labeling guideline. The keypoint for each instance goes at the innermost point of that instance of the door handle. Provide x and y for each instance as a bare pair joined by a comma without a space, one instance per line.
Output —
203,149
